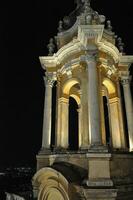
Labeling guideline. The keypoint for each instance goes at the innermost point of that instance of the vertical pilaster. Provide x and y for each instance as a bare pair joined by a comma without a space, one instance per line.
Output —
115,123
123,139
57,132
47,116
84,110
63,120
101,107
79,110
129,109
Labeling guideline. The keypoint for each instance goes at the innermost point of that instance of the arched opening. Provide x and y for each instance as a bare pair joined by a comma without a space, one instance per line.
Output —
73,124
110,86
69,84
106,120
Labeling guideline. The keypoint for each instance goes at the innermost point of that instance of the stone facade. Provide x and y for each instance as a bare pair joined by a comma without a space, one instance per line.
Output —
89,68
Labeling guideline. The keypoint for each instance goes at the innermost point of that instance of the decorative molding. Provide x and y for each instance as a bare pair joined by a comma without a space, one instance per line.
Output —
88,37
90,32
126,60
125,80
63,100
110,49
108,66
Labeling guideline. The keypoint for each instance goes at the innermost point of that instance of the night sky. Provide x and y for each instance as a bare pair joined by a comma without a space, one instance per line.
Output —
25,29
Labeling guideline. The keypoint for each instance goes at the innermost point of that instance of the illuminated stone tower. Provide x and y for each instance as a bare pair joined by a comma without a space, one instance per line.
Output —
90,67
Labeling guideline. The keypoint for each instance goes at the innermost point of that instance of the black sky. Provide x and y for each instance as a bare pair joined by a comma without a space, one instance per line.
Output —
24,33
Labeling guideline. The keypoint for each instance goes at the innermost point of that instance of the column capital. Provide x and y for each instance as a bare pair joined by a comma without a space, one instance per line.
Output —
90,55
64,100
80,92
48,81
113,100
125,80
79,109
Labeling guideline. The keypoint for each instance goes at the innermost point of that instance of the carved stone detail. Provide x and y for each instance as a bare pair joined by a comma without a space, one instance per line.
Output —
125,80
51,47
49,79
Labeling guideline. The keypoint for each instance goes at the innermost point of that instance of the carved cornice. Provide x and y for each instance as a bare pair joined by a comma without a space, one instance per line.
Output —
78,46
110,49
88,36
109,66
63,54
90,32
65,36
126,60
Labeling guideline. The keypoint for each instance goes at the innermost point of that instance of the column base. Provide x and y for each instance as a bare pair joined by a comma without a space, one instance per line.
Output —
99,183
131,150
60,150
100,194
84,149
98,148
46,151
99,170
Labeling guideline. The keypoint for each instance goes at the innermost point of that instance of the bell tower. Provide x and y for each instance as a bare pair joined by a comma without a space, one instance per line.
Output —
95,160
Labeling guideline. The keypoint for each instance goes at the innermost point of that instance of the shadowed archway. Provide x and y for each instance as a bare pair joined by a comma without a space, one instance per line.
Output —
73,124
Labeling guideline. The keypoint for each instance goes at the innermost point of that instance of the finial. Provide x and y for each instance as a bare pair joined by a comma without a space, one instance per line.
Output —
119,41
51,47
60,28
78,2
66,21
120,45
87,7
109,27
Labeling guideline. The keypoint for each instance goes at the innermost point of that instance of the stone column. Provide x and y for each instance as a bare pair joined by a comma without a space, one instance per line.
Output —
80,128
57,132
123,138
115,123
101,94
47,116
62,130
129,109
93,102
84,110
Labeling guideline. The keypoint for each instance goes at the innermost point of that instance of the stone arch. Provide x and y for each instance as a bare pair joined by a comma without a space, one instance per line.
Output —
110,49
76,97
74,93
50,184
115,123
71,89
110,86
69,84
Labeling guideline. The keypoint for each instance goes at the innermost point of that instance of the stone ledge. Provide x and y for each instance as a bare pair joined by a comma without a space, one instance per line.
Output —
98,155
99,183
100,194
122,155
